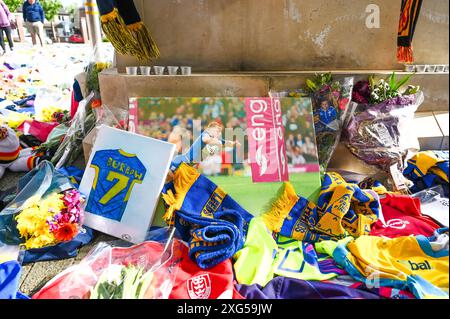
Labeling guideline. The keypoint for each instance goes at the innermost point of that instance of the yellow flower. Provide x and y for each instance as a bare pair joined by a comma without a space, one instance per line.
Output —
52,203
32,221
102,65
46,113
41,241
15,119
32,201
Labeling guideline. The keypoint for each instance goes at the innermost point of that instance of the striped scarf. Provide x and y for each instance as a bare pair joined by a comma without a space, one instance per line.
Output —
212,223
408,20
343,209
428,169
123,26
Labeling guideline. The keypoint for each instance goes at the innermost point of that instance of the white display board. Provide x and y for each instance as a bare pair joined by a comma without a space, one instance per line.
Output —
123,181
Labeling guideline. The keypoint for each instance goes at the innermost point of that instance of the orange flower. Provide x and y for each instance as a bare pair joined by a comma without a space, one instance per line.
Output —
65,232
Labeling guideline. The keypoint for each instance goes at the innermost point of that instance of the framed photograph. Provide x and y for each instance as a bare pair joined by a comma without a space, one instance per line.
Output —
248,146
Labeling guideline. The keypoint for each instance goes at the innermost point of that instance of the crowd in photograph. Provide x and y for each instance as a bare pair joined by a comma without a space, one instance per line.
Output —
299,133
180,115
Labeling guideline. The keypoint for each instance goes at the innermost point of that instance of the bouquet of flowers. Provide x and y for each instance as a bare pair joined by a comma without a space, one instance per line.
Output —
378,131
92,70
330,101
48,221
116,270
45,211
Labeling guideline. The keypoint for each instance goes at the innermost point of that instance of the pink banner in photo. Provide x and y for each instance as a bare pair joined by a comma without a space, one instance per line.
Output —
133,115
265,130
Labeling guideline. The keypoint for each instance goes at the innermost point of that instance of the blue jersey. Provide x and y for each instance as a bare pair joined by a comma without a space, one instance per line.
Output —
116,172
327,116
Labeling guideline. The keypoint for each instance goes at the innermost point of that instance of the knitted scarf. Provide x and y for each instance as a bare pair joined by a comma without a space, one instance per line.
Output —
408,19
428,169
343,209
123,26
212,223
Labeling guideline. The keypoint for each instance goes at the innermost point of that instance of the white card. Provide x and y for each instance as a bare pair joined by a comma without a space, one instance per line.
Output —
438,209
123,181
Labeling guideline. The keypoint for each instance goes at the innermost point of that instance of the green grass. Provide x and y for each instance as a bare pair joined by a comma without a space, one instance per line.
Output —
257,197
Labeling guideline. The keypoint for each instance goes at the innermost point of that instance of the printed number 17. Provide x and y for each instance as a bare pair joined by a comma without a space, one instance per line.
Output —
122,182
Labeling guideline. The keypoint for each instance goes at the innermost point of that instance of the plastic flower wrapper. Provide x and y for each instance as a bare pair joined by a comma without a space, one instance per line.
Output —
331,108
50,100
54,139
331,101
104,116
92,70
91,113
45,211
119,271
379,131
10,252
83,122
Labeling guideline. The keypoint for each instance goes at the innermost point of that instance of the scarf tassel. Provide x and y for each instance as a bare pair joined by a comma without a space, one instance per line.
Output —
134,39
280,208
184,177
146,45
171,201
405,54
115,30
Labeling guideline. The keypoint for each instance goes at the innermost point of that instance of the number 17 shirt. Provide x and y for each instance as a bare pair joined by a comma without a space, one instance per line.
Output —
116,173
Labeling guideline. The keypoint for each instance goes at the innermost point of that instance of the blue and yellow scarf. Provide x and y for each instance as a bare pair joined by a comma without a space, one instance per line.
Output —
343,209
428,169
212,223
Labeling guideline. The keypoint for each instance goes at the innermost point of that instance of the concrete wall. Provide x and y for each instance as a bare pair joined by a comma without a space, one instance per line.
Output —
116,88
242,35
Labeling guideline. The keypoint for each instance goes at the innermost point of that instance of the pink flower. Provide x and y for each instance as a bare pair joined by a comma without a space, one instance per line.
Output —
343,103
336,94
361,92
325,88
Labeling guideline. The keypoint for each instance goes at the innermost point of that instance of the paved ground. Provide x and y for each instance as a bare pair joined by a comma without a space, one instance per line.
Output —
37,274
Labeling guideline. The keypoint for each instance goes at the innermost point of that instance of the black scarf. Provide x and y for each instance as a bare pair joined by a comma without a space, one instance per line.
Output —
407,25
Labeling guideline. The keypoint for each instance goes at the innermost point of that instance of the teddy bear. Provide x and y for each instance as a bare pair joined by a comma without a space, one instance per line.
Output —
12,156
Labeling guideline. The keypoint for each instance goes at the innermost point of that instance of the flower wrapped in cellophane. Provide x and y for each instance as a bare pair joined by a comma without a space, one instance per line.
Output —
51,220
380,130
331,107
331,104
46,210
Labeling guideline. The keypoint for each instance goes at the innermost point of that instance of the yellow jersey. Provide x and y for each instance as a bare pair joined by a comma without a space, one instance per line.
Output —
408,263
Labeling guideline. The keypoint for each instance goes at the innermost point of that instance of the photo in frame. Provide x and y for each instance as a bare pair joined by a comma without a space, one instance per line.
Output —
247,146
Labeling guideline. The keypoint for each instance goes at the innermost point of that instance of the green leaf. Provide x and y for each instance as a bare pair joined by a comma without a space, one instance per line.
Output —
392,80
371,82
326,78
402,82
144,282
51,8
411,90
13,5
311,85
